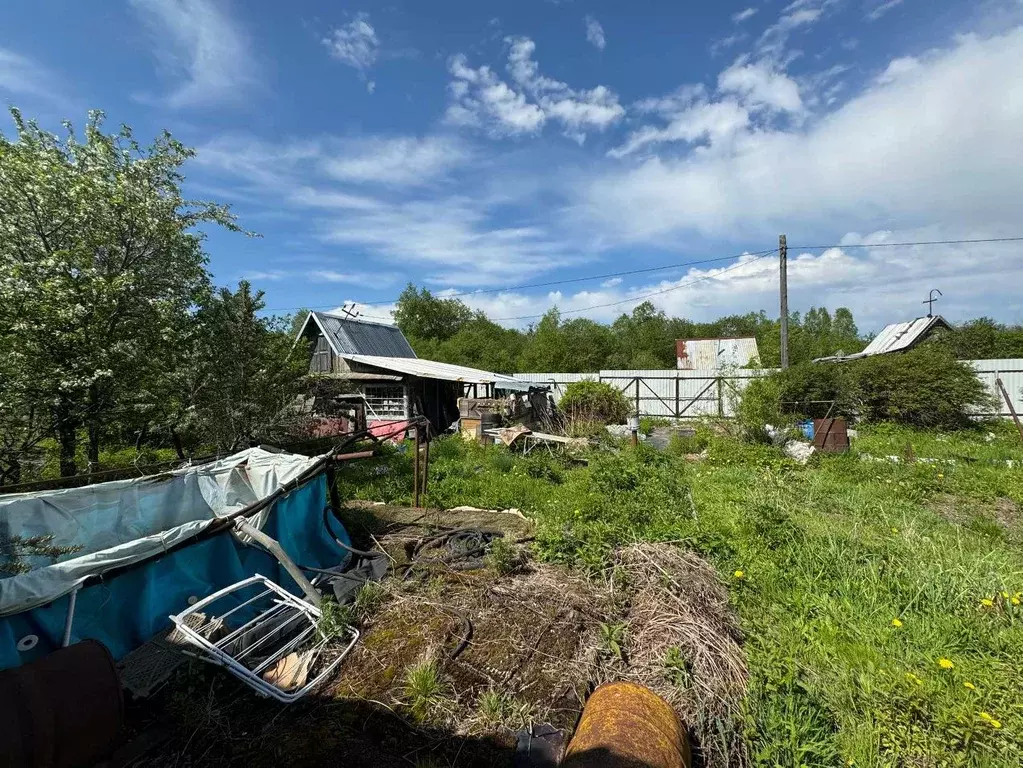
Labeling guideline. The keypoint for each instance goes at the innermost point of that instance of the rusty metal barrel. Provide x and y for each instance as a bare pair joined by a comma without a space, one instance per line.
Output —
625,725
61,711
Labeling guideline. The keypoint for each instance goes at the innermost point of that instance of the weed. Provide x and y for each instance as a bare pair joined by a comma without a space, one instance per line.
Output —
676,670
503,557
502,710
335,619
422,689
368,599
612,639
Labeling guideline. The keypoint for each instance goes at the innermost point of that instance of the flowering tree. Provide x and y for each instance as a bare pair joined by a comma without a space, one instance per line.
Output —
101,267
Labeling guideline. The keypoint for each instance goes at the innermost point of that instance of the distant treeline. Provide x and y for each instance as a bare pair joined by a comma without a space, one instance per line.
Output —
449,331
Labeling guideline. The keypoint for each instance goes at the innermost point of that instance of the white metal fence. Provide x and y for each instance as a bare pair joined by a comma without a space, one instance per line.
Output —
688,394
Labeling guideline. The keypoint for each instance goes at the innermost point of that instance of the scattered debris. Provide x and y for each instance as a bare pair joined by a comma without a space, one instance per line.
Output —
258,614
798,451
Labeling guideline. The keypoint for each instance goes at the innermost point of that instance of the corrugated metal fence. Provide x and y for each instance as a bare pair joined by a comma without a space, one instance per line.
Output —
679,394
1011,373
688,394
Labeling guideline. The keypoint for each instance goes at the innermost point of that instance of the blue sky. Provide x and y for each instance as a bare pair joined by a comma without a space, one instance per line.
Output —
481,145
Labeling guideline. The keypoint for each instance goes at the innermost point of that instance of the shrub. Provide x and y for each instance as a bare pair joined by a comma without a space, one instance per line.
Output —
925,387
598,401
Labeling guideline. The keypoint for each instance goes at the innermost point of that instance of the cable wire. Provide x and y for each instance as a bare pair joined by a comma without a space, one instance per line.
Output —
632,299
903,245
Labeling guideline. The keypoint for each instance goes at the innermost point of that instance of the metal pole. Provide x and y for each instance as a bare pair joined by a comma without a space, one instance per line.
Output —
275,549
1008,402
415,471
637,396
72,599
783,263
426,460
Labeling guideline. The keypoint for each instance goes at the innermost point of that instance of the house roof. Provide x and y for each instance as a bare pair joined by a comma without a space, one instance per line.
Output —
897,337
347,336
429,369
708,354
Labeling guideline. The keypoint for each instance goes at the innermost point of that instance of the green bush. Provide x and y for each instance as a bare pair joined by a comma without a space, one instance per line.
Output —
925,387
595,401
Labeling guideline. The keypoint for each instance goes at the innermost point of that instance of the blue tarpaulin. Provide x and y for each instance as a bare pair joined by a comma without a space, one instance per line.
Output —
124,603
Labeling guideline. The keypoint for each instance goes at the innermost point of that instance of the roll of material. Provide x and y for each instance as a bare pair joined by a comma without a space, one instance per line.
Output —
61,711
625,725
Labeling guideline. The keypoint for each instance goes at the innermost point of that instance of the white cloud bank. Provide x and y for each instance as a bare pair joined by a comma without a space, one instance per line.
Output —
197,42
934,139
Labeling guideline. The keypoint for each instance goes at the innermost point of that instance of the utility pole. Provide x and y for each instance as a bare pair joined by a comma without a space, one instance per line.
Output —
783,257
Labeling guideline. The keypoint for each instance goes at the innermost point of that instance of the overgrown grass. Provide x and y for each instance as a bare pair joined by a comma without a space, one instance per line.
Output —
423,690
829,554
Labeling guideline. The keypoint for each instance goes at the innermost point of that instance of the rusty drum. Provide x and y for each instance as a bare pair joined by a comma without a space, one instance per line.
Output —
626,725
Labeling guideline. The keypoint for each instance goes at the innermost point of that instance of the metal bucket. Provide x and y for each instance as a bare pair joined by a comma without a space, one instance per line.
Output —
63,710
625,725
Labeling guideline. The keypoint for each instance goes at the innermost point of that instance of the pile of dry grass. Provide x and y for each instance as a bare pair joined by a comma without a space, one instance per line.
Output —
684,642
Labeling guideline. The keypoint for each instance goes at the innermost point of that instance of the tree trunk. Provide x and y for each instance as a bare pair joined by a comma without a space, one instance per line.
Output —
94,435
94,428
178,445
67,439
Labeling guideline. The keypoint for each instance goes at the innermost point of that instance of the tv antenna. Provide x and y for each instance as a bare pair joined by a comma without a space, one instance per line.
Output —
350,313
930,301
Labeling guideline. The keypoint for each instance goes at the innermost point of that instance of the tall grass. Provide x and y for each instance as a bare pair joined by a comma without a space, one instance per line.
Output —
859,576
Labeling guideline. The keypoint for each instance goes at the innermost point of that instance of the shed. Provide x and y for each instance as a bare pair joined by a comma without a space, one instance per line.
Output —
714,353
381,365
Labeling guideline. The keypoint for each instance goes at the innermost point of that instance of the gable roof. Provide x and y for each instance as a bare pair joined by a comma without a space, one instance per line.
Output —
359,337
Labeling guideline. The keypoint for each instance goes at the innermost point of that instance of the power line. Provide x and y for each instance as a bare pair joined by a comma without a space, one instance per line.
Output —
904,245
756,254
632,299
549,283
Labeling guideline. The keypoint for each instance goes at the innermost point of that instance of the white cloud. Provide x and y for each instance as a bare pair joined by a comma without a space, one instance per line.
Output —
744,15
882,8
714,122
402,161
22,76
595,33
375,198
761,86
354,44
718,47
898,68
932,144
772,43
198,42
482,100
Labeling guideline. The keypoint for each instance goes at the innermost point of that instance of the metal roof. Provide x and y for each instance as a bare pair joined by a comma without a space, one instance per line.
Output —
360,337
429,369
710,354
897,337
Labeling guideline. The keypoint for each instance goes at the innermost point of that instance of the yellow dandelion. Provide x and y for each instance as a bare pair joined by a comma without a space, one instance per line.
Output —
995,724
987,602
945,663
1005,595
740,574
914,679
1015,601
986,716
896,623
969,686
894,529
940,476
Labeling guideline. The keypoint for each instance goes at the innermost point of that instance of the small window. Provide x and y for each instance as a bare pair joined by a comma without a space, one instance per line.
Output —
384,401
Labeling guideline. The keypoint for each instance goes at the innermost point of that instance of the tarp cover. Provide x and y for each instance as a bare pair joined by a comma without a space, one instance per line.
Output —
115,524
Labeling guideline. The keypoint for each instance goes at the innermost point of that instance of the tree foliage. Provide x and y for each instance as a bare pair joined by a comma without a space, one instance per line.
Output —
106,304
595,401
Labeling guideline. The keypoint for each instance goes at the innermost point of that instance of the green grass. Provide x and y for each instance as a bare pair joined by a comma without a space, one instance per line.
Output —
830,553
423,690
